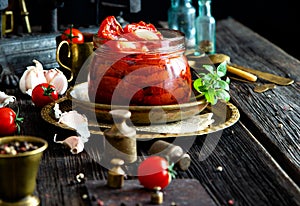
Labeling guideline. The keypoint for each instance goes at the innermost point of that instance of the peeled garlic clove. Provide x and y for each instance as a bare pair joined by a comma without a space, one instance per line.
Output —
57,79
146,34
73,142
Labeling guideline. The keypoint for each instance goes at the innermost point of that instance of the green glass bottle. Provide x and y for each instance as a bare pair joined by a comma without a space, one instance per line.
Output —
205,28
182,16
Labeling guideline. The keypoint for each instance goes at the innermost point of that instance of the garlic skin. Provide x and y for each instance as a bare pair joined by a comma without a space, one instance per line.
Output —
32,77
6,99
77,121
58,79
35,75
57,111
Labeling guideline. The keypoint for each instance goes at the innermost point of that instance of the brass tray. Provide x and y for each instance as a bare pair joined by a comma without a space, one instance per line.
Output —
224,114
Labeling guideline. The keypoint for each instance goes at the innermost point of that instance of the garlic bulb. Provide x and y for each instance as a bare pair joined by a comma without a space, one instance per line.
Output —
58,79
32,77
35,75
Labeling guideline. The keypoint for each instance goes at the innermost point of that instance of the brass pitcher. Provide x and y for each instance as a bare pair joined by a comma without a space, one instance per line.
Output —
72,56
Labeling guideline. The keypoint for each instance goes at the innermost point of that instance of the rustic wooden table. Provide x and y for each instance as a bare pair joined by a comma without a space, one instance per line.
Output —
259,155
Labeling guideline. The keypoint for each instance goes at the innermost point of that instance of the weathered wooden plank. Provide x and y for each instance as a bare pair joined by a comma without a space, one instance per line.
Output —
249,175
273,116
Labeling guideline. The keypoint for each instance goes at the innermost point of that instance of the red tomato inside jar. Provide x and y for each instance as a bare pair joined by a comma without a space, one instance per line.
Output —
140,72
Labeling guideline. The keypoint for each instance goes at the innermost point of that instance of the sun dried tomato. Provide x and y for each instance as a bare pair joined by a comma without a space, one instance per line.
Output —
110,28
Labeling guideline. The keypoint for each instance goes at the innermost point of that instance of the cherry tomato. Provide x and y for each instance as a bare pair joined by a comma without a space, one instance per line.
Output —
155,171
73,35
110,28
10,121
44,94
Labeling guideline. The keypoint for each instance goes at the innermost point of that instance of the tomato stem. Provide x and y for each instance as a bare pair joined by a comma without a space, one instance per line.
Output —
48,91
70,35
171,170
18,121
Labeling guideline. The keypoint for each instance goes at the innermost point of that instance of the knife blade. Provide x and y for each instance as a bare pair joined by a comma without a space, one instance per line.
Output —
266,76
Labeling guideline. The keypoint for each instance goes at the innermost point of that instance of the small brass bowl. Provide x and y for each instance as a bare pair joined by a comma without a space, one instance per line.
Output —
19,172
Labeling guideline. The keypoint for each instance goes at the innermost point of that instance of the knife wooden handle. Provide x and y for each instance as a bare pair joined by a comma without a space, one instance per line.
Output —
265,75
243,74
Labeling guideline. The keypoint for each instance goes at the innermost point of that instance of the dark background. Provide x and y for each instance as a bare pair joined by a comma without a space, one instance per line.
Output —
277,21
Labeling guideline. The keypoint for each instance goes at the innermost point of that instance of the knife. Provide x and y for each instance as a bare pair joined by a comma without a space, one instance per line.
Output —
196,62
218,58
266,76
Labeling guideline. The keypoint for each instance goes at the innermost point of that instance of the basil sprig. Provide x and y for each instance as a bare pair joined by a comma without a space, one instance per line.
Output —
211,85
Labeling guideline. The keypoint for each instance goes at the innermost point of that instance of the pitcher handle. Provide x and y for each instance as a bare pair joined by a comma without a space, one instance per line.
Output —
69,55
11,28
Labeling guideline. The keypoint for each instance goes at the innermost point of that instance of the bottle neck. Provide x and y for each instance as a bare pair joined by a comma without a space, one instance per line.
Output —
204,7
177,3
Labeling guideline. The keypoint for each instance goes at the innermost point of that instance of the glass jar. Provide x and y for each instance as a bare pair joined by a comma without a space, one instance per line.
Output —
140,72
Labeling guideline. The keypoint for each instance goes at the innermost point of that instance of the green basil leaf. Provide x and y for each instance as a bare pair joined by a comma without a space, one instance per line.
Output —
197,84
209,68
221,69
222,94
210,96
227,80
222,85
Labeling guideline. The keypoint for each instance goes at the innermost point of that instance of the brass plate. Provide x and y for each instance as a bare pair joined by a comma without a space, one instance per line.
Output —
140,115
225,115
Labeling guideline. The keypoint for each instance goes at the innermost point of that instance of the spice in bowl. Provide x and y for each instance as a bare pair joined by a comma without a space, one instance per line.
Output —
16,147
